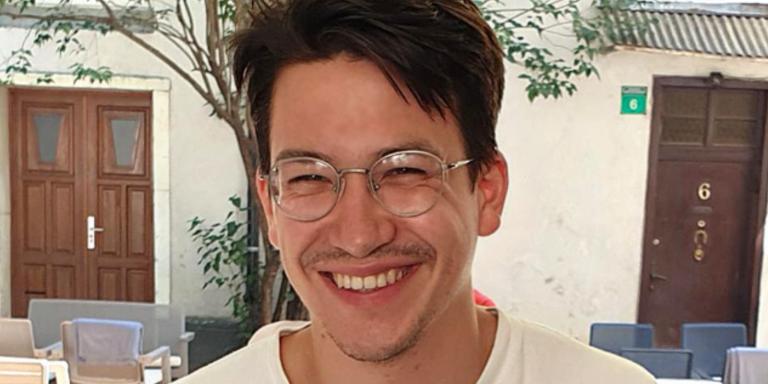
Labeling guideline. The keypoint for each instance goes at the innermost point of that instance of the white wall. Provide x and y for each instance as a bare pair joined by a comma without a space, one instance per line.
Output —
569,251
5,208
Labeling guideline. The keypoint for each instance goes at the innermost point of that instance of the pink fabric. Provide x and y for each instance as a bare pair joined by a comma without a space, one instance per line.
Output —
481,299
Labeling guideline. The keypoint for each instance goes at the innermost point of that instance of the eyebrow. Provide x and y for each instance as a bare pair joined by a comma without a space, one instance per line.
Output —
409,145
290,153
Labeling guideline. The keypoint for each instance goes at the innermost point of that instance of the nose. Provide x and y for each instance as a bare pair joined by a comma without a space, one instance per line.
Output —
358,224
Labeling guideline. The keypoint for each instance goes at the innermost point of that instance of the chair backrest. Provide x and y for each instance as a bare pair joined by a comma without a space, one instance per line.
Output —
16,338
14,370
709,343
746,365
128,372
662,363
162,323
612,337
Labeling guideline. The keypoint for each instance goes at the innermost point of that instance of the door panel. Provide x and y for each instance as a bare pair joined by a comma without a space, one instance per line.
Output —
63,220
137,283
707,286
701,212
44,182
109,214
64,282
121,191
138,209
109,284
75,155
34,212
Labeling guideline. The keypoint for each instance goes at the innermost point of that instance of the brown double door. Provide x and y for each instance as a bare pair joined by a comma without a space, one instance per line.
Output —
81,199
704,206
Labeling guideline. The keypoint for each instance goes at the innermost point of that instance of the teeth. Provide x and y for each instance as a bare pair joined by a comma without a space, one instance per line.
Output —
367,283
357,283
381,280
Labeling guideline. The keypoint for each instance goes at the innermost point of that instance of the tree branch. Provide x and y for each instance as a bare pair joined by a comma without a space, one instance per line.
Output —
209,98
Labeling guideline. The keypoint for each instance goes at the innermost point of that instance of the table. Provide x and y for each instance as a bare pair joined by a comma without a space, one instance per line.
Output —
685,381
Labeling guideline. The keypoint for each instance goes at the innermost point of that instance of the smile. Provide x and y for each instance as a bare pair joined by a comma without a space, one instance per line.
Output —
369,283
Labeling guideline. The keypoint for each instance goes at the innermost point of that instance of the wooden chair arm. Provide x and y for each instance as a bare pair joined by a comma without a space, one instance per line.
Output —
163,353
60,371
54,351
187,337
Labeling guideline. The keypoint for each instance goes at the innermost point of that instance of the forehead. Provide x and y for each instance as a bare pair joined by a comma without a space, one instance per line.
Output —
347,111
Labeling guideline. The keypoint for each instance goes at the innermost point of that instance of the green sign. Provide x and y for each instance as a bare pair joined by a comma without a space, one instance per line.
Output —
633,100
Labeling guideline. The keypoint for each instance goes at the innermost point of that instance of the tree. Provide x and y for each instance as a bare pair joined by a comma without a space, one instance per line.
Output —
527,35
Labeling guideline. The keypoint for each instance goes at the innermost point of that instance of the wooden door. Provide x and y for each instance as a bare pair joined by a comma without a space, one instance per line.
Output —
702,216
77,155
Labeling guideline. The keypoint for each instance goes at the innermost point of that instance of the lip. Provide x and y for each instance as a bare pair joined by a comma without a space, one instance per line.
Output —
376,297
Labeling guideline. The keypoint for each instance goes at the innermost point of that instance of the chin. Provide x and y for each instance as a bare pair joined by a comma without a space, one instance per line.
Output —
380,343
377,351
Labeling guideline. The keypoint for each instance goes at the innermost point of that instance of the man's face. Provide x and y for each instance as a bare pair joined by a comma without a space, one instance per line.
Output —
347,112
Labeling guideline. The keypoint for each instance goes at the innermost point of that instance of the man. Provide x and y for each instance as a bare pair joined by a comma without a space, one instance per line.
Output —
378,171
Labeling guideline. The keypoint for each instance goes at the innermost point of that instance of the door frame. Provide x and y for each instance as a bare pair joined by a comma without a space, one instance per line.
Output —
160,145
758,224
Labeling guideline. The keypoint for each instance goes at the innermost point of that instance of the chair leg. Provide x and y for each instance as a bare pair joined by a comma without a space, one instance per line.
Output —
166,364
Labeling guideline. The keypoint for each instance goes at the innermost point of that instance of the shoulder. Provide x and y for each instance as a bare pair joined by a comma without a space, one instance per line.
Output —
262,355
551,357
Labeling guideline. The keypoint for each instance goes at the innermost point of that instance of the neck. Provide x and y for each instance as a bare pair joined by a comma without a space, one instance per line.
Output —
454,348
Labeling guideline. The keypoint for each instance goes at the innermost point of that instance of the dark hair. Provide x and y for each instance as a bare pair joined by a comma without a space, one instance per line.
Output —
443,51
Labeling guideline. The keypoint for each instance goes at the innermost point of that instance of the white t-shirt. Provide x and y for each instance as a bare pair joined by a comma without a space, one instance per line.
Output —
523,353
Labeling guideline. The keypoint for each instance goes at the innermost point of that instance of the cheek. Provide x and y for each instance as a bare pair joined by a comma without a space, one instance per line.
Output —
451,230
294,239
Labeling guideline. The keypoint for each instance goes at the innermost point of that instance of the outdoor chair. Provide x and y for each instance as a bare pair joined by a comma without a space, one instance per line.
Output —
709,343
612,337
17,340
744,365
662,363
109,351
163,324
20,370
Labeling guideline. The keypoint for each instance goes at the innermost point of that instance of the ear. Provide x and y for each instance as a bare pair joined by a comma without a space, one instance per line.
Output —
491,188
262,188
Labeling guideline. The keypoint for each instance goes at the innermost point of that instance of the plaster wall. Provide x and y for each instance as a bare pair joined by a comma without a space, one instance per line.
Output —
5,209
569,251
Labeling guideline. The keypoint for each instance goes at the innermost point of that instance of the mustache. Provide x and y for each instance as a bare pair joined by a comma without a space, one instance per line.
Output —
419,252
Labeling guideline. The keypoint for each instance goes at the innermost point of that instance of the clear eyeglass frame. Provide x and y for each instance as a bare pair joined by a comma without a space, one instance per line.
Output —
373,188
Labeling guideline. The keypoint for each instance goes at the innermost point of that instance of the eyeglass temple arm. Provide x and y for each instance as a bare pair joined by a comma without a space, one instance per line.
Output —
458,164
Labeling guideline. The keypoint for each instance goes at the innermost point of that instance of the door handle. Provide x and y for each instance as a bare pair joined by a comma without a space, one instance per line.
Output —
656,276
92,229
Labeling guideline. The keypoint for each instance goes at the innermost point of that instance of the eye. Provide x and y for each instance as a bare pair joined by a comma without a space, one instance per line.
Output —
403,171
308,178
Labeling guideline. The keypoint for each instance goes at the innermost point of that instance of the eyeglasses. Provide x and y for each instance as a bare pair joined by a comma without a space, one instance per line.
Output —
405,183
